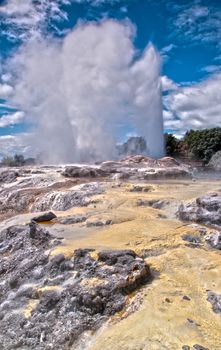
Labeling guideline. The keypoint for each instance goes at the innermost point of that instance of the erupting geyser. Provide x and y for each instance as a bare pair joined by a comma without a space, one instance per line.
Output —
78,92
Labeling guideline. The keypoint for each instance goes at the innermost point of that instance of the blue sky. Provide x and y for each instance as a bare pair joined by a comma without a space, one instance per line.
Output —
187,34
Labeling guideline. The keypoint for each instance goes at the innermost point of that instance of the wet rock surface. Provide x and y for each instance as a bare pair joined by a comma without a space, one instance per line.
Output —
134,167
76,196
214,240
215,300
8,176
44,217
49,302
206,210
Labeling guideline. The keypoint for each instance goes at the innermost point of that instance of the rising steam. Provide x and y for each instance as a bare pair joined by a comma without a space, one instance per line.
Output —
77,93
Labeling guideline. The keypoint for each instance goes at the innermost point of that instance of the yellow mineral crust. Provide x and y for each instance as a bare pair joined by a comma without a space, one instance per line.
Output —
165,320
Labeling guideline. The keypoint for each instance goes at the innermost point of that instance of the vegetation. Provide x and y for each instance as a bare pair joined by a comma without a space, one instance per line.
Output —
16,161
203,144
196,144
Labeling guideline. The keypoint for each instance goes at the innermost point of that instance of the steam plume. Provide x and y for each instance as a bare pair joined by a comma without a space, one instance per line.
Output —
76,93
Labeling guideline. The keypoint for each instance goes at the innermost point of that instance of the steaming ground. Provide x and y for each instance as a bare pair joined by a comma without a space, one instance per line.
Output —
80,92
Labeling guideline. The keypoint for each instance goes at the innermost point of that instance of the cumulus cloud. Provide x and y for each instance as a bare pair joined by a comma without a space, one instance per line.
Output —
5,90
194,107
76,93
168,84
11,119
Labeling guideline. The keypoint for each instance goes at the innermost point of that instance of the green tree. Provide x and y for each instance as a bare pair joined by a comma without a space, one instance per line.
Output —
171,144
202,144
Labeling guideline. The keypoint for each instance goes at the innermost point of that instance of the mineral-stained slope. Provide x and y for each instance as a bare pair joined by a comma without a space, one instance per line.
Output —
94,262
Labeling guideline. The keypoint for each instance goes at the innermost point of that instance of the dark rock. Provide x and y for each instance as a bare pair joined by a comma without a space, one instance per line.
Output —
185,297
111,256
75,219
215,300
69,301
8,176
214,240
99,222
141,188
185,347
195,240
206,210
83,171
199,347
44,217
57,259
157,204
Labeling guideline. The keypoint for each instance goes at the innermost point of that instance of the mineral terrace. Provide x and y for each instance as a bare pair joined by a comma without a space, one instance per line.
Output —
120,255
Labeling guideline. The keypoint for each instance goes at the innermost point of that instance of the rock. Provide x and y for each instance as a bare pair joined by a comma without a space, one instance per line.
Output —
44,217
206,210
199,347
186,347
111,257
77,196
50,303
140,167
8,176
214,239
185,297
75,219
215,161
154,203
98,222
215,300
141,188
57,259
195,240
83,171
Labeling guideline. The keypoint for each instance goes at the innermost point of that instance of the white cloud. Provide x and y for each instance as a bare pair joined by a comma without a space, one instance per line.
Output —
5,91
27,17
211,68
194,107
198,23
168,84
11,119
94,83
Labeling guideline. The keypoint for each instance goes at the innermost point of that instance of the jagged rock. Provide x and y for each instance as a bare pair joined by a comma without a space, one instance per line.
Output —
199,347
215,161
154,203
195,240
98,222
8,176
72,219
145,168
215,300
44,217
48,303
214,239
83,171
206,210
141,188
77,196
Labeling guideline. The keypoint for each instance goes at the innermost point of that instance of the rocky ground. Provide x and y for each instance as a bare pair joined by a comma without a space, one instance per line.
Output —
118,255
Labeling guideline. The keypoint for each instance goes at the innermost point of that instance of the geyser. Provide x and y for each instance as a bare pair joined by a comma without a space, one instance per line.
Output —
78,92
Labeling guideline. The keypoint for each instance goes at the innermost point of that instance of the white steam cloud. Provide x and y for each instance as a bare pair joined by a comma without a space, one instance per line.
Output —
78,92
